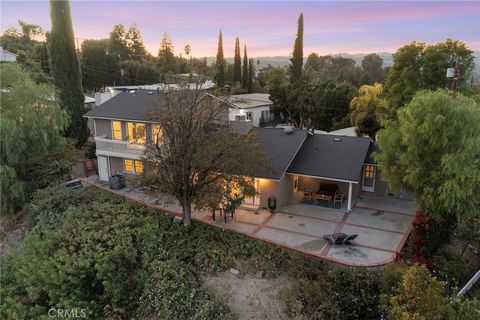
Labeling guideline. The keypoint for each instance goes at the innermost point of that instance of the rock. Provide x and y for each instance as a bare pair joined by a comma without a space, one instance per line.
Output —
258,274
234,271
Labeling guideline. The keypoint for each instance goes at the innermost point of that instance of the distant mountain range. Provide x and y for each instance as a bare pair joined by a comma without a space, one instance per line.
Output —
280,61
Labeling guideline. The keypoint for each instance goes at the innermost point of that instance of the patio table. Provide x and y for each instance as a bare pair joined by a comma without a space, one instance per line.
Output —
324,197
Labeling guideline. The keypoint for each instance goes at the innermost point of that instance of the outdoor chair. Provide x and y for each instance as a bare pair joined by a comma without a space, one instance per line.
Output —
349,239
338,198
340,238
335,238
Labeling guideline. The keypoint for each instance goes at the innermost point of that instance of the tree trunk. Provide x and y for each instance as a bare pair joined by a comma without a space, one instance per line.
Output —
187,213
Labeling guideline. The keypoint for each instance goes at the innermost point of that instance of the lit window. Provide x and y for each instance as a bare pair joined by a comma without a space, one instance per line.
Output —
157,133
369,171
128,165
138,166
136,133
117,130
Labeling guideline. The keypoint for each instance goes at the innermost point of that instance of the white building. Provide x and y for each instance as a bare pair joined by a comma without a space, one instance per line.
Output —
7,56
253,107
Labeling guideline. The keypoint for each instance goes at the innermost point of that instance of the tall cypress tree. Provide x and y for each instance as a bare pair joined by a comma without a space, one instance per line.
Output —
245,68
65,69
220,64
297,55
237,63
251,71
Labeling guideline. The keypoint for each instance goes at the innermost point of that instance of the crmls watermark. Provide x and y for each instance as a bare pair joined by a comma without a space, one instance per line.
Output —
67,313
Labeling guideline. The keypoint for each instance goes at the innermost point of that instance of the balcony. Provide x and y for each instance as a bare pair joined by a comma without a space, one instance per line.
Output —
117,148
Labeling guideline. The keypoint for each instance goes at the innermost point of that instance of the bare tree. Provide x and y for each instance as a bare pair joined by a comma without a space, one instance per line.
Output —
198,159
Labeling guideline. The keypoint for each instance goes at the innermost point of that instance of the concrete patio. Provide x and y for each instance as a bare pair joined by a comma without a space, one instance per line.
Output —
382,225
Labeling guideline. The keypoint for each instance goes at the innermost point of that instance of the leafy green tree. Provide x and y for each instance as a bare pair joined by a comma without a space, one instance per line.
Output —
198,160
33,152
118,43
373,70
419,66
166,56
297,55
237,63
137,73
30,52
272,77
433,149
320,69
420,297
220,63
135,43
251,73
65,69
99,68
245,72
368,110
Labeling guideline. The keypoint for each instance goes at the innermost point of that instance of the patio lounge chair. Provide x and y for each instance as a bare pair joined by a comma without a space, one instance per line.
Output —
340,238
349,239
335,238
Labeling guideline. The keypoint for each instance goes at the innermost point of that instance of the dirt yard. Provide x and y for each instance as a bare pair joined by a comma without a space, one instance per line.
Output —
249,297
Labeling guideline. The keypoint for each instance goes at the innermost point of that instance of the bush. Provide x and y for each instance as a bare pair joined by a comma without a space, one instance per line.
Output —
450,266
391,277
91,150
173,292
463,309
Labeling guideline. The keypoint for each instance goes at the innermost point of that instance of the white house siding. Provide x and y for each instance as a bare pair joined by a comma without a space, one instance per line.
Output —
256,113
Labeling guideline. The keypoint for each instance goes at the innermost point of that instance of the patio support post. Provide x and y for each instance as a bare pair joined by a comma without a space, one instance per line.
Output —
349,204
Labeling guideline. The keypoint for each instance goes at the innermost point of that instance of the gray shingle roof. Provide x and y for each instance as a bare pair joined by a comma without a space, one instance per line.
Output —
129,106
322,156
280,149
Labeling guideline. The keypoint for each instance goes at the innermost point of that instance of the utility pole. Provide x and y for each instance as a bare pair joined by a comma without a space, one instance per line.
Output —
455,77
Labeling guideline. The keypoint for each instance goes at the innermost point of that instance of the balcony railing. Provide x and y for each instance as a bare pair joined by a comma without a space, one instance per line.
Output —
118,148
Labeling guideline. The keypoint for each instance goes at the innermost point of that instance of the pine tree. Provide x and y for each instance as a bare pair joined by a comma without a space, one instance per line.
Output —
251,71
135,43
237,63
220,64
245,68
166,56
297,55
65,69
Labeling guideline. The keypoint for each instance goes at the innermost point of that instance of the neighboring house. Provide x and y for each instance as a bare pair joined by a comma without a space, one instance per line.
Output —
254,107
300,162
7,56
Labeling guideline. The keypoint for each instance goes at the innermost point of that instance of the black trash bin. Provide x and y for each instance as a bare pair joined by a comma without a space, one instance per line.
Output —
272,203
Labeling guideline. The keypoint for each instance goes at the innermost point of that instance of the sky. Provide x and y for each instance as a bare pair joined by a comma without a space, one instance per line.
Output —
268,28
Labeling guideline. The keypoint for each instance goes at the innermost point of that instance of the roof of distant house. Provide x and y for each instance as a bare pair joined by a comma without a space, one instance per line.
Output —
249,100
280,149
331,156
350,131
129,106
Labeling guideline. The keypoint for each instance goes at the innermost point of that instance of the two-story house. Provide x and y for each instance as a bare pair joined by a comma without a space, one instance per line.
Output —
309,167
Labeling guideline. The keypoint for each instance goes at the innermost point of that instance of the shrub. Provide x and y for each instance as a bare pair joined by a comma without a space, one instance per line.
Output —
173,292
463,309
91,150
391,277
420,296
428,234
356,294
451,267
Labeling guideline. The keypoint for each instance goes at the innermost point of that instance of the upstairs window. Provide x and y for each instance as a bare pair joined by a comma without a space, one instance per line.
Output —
156,133
136,133
117,130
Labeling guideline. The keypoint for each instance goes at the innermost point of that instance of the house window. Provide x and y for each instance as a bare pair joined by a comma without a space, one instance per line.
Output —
136,133
133,166
138,166
117,130
248,115
128,165
156,133
369,171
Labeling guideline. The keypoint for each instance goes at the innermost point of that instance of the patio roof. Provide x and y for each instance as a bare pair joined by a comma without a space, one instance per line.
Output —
331,156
